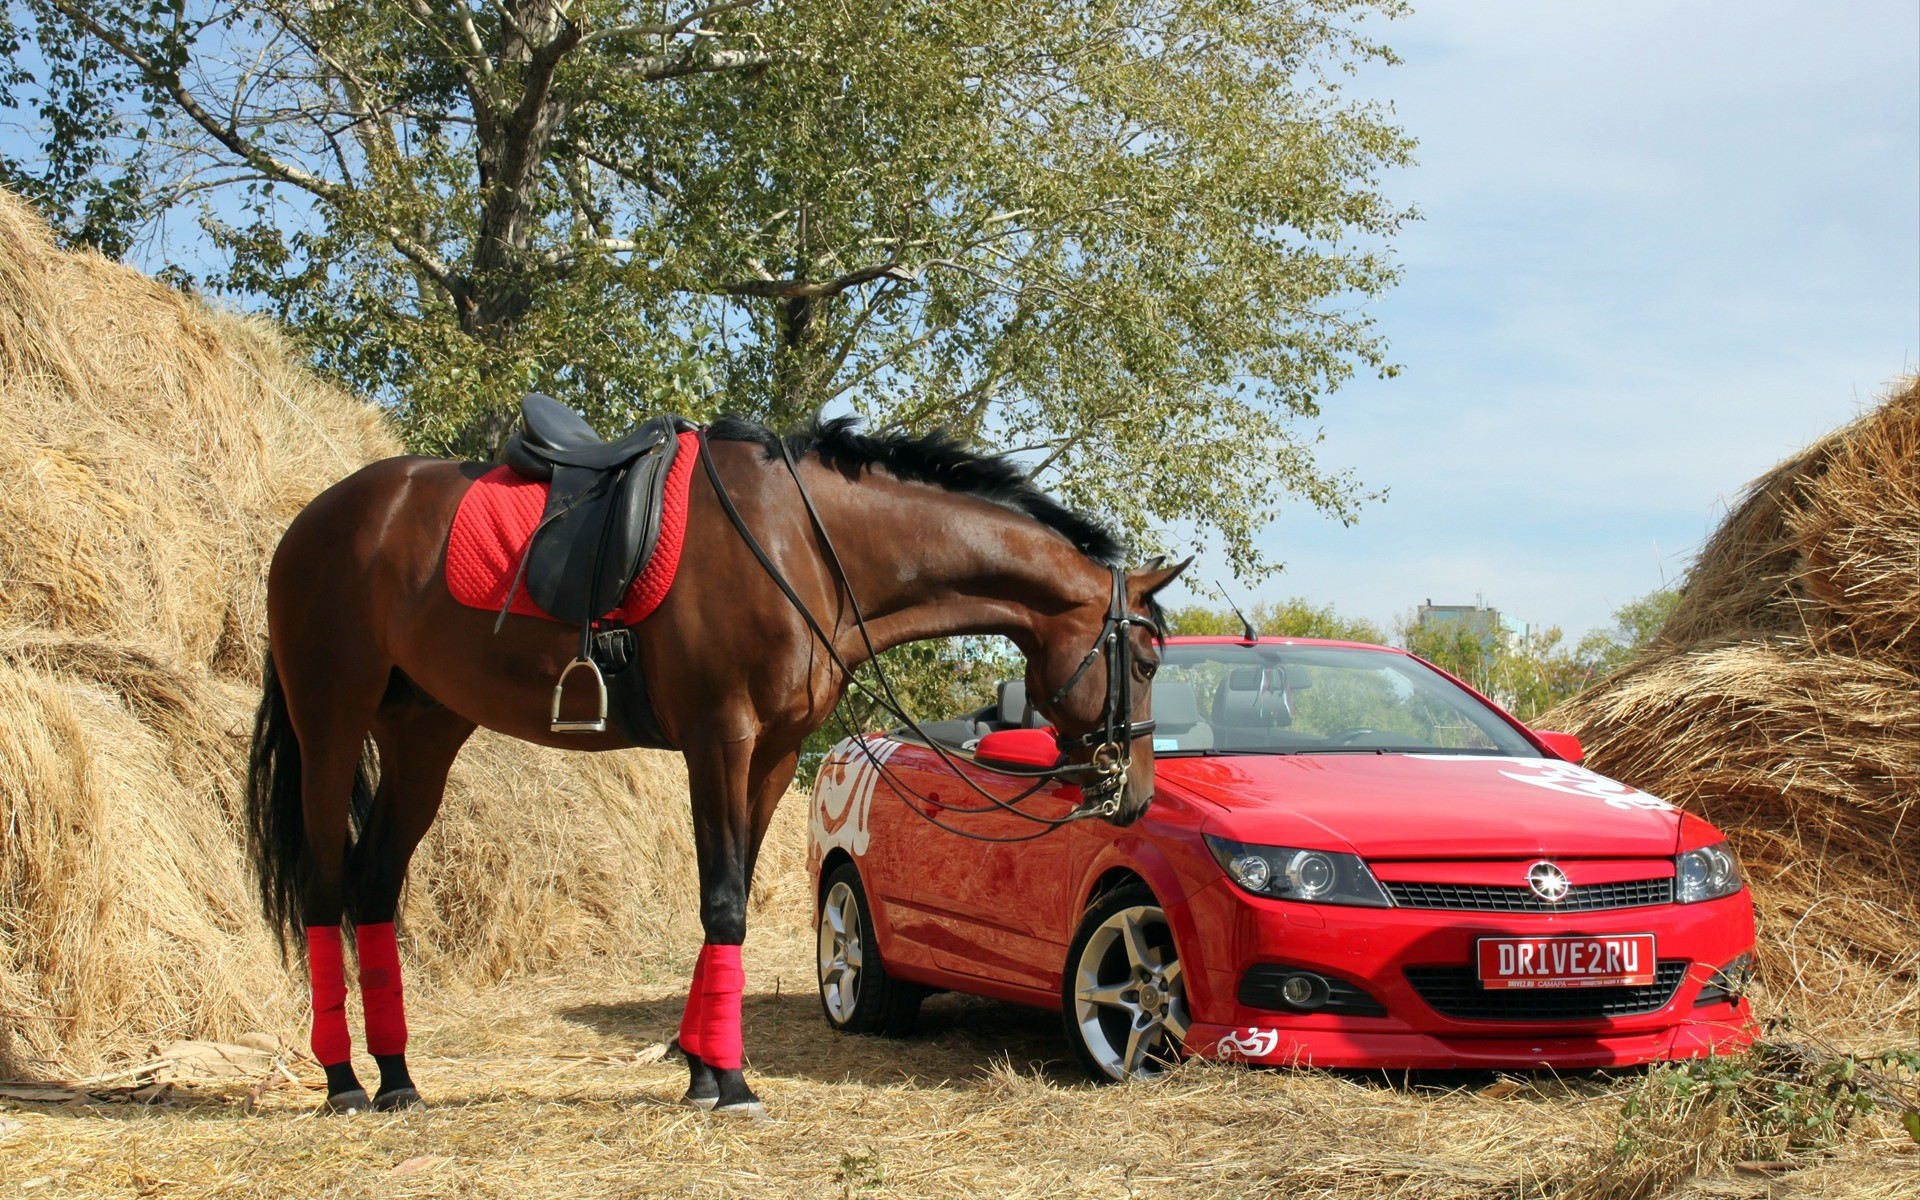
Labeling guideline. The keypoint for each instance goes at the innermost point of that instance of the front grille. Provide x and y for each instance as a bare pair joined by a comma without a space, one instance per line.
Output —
1467,897
1456,992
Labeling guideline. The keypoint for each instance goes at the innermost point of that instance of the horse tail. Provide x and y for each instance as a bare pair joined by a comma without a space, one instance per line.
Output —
276,816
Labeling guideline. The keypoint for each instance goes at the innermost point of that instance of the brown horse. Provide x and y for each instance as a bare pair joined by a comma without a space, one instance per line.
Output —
914,534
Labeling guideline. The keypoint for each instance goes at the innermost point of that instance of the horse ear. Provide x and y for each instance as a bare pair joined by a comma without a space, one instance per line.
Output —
1154,576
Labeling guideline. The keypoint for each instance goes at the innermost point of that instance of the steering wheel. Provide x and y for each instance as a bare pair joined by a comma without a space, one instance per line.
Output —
1346,736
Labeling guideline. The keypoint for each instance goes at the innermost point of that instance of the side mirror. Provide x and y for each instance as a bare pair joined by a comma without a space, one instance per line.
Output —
1018,748
1562,745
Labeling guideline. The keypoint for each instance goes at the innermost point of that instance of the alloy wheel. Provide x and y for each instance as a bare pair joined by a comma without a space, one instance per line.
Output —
1130,1002
840,953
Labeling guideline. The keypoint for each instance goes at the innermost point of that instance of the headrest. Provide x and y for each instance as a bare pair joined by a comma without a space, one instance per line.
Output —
1013,703
1239,702
1175,708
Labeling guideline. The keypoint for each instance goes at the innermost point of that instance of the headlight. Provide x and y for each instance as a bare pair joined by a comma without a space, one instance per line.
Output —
1322,876
1706,874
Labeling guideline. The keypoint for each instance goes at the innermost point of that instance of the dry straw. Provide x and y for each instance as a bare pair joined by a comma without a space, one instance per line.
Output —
1783,702
152,452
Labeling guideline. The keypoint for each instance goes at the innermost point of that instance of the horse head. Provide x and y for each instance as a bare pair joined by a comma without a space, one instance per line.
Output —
1096,674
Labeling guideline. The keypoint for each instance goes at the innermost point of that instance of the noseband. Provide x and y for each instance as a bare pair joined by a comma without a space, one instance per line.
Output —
1112,739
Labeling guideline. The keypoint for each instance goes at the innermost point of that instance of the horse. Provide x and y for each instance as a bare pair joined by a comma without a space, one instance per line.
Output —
806,554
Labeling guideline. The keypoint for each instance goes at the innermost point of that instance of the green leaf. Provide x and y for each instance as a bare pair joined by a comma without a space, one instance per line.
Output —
1910,1121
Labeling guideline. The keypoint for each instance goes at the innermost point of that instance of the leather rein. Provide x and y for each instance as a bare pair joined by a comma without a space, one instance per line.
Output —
1103,778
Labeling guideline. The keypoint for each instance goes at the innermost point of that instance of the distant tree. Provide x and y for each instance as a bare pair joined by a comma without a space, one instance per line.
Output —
1294,617
1462,650
1532,674
1524,675
1635,626
1132,241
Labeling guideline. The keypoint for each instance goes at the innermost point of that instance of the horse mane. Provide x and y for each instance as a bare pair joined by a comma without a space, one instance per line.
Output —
937,458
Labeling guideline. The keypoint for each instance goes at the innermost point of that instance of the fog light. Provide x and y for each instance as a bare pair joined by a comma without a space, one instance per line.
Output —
1728,983
1304,990
1252,871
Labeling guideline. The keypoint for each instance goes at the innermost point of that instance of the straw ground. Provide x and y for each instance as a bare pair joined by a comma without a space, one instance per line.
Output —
551,1085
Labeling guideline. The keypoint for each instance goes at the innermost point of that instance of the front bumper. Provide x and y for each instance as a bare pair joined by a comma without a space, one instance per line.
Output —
1373,948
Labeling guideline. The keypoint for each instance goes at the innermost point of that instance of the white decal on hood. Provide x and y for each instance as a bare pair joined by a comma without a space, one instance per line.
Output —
844,793
1567,778
1578,781
1574,780
1254,1043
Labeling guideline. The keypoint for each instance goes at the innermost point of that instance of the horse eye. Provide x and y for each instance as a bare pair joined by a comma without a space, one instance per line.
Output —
1147,670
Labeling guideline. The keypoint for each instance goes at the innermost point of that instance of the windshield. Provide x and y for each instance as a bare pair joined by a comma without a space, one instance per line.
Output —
1274,699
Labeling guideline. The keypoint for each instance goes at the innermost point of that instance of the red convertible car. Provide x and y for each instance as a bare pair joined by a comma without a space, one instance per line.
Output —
1352,859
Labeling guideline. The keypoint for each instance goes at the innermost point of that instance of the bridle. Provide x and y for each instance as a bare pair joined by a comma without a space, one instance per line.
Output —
1103,778
1112,741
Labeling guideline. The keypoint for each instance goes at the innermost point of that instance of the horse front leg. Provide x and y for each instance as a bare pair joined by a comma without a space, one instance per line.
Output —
731,807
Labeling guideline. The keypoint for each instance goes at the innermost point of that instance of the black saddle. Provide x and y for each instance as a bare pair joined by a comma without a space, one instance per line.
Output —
602,517
598,529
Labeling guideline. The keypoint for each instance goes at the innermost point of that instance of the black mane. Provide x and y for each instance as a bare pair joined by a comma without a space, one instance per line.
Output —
936,458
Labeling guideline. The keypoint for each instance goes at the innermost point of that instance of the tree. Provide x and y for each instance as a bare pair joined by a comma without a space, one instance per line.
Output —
1524,675
1295,617
1635,626
1131,242
1532,674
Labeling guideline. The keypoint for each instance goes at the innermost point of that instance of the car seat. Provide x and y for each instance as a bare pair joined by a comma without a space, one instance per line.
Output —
1176,716
1253,711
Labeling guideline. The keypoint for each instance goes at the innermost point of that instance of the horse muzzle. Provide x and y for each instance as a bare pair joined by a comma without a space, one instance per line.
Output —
1109,791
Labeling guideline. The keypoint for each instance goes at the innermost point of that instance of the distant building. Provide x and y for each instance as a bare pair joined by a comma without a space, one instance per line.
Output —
1492,627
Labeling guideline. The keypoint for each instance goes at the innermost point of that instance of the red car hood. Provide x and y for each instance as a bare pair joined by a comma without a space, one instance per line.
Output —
1385,806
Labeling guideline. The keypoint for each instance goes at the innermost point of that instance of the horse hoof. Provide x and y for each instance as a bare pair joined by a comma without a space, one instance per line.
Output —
401,1099
347,1102
750,1110
705,1103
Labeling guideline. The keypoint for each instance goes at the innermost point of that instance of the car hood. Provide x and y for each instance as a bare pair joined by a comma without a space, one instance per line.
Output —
1413,806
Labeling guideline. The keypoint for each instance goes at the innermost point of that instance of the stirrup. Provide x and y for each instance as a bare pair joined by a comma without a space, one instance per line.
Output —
597,724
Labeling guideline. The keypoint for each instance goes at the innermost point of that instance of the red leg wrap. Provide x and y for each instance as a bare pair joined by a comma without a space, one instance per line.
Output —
720,1038
331,1042
690,1016
380,988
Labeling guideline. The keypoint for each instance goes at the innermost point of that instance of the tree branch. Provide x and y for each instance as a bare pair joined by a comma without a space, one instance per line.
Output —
250,152
653,68
476,68
814,289
667,29
1066,444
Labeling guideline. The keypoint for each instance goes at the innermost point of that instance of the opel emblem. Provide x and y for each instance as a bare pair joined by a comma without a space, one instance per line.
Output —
1548,882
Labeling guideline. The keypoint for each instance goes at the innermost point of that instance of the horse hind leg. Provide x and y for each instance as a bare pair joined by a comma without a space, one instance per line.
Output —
329,703
418,742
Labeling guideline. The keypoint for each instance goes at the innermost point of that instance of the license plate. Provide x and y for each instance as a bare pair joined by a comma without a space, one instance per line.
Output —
1620,960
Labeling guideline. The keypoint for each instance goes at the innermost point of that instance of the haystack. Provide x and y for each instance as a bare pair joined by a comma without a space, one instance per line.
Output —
1782,701
152,451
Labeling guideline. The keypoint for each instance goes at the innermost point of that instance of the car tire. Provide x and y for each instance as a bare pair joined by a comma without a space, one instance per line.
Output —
856,993
1122,996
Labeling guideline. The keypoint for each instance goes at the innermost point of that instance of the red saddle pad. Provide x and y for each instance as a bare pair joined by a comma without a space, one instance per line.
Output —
497,516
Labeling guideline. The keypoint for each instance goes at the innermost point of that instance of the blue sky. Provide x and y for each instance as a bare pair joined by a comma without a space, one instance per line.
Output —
1664,245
